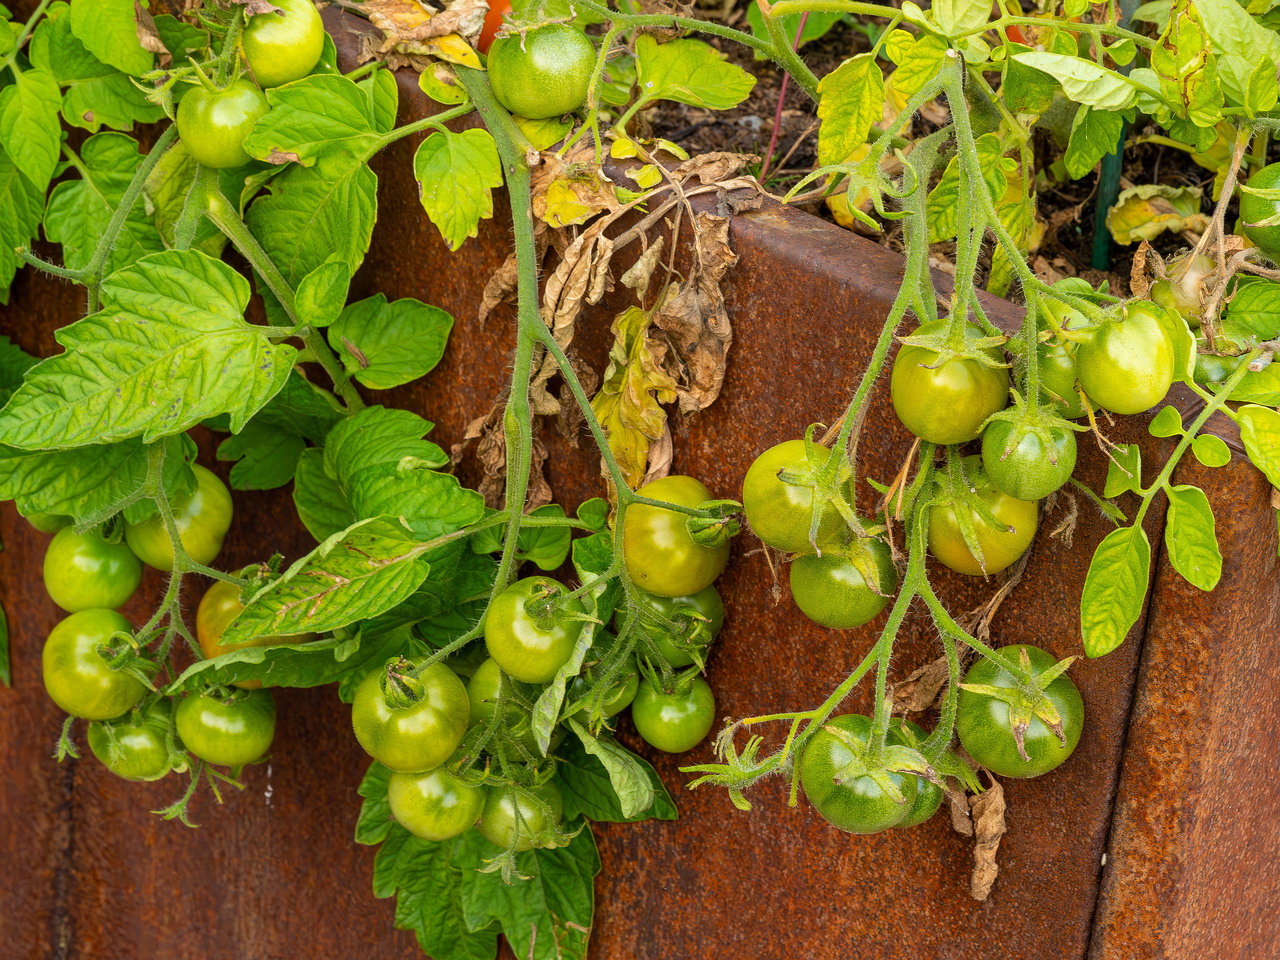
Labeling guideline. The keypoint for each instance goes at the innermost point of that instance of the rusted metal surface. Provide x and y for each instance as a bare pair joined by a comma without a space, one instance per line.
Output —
93,874
1192,857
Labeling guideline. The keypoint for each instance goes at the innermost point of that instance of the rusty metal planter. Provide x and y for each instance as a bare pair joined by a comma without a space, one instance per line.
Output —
1174,778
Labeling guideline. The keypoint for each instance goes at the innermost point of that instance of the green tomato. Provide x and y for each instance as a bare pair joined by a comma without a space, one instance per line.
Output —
948,402
227,731
1000,547
213,123
202,519
417,737
1127,367
620,692
1057,367
543,74
928,794
982,721
134,747
218,607
1254,210
77,678
84,571
522,819
859,805
781,513
674,722
661,555
1021,465
831,590
434,805
283,48
522,638
705,603
48,522
517,721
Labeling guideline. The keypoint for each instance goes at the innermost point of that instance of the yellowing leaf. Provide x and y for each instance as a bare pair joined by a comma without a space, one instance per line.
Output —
1143,213
563,206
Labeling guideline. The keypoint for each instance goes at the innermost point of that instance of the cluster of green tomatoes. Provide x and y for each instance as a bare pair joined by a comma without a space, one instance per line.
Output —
94,667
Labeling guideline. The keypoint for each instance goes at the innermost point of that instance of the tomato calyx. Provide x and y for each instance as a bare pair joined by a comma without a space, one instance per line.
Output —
877,764
827,478
401,687
958,486
946,763
938,338
1028,699
723,524
122,653
548,606
679,682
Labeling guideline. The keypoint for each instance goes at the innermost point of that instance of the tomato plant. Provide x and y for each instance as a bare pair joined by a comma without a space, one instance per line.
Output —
202,521
227,729
135,747
1001,527
83,571
1028,460
543,73
518,820
528,630
492,24
844,588
213,122
781,512
283,47
696,620
1127,365
410,724
1257,209
946,400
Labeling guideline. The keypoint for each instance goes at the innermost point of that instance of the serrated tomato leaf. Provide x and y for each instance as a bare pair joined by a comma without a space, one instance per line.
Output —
1114,589
690,72
457,174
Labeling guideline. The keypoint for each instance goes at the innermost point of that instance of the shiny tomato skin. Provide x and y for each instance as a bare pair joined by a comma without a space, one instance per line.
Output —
218,607
523,647
134,747
203,520
831,591
214,123
660,554
1000,548
416,738
706,602
76,676
1127,366
674,722
950,402
537,820
1057,369
227,732
543,74
85,571
860,805
781,513
281,49
1256,209
434,805
929,795
1025,468
48,522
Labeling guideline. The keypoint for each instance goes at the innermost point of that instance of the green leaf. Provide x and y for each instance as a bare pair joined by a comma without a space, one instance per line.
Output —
920,64
29,127
588,790
1124,471
1234,32
1253,315
943,199
384,345
189,355
1190,537
20,213
322,293
1166,423
80,210
312,116
1260,432
547,547
689,72
1114,589
457,174
374,823
165,194
355,574
594,513
109,31
91,484
1024,89
179,38
14,363
322,506
852,99
957,18
379,436
1210,450
557,901
1184,61
1262,91
1085,82
1262,387
629,779
815,25
1094,134
266,456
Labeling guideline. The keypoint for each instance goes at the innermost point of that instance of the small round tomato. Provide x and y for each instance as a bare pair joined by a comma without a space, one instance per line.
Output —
417,737
661,555
948,402
1254,210
48,522
522,819
677,721
227,731
527,639
1021,464
982,721
498,9
434,805
83,571
1000,547
831,590
76,676
1057,368
544,73
1180,290
213,123
218,607
706,603
1127,367
134,747
859,805
928,794
482,697
781,513
202,519
281,48
622,690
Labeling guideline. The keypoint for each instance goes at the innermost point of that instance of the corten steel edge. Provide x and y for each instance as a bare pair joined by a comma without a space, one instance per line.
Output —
95,875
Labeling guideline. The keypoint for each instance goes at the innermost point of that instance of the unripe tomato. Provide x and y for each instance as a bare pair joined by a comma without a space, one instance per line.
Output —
1000,548
859,805
1256,209
1127,367
677,721
48,522
661,555
780,513
830,590
525,643
134,747
213,123
76,676
705,603
434,805
84,571
928,794
517,722
202,519
1019,462
218,607
949,402
283,48
543,74
622,690
535,826
417,737
227,731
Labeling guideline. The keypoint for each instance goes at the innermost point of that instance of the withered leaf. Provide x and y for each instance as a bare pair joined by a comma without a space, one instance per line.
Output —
254,7
500,287
921,688
148,37
491,454
988,827
958,806
640,273
713,167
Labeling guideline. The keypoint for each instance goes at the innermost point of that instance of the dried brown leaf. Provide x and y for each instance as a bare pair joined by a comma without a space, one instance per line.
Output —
601,278
1139,280
919,691
148,37
661,453
987,810
712,167
570,420
407,24
501,287
958,806
254,7
491,454
640,273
